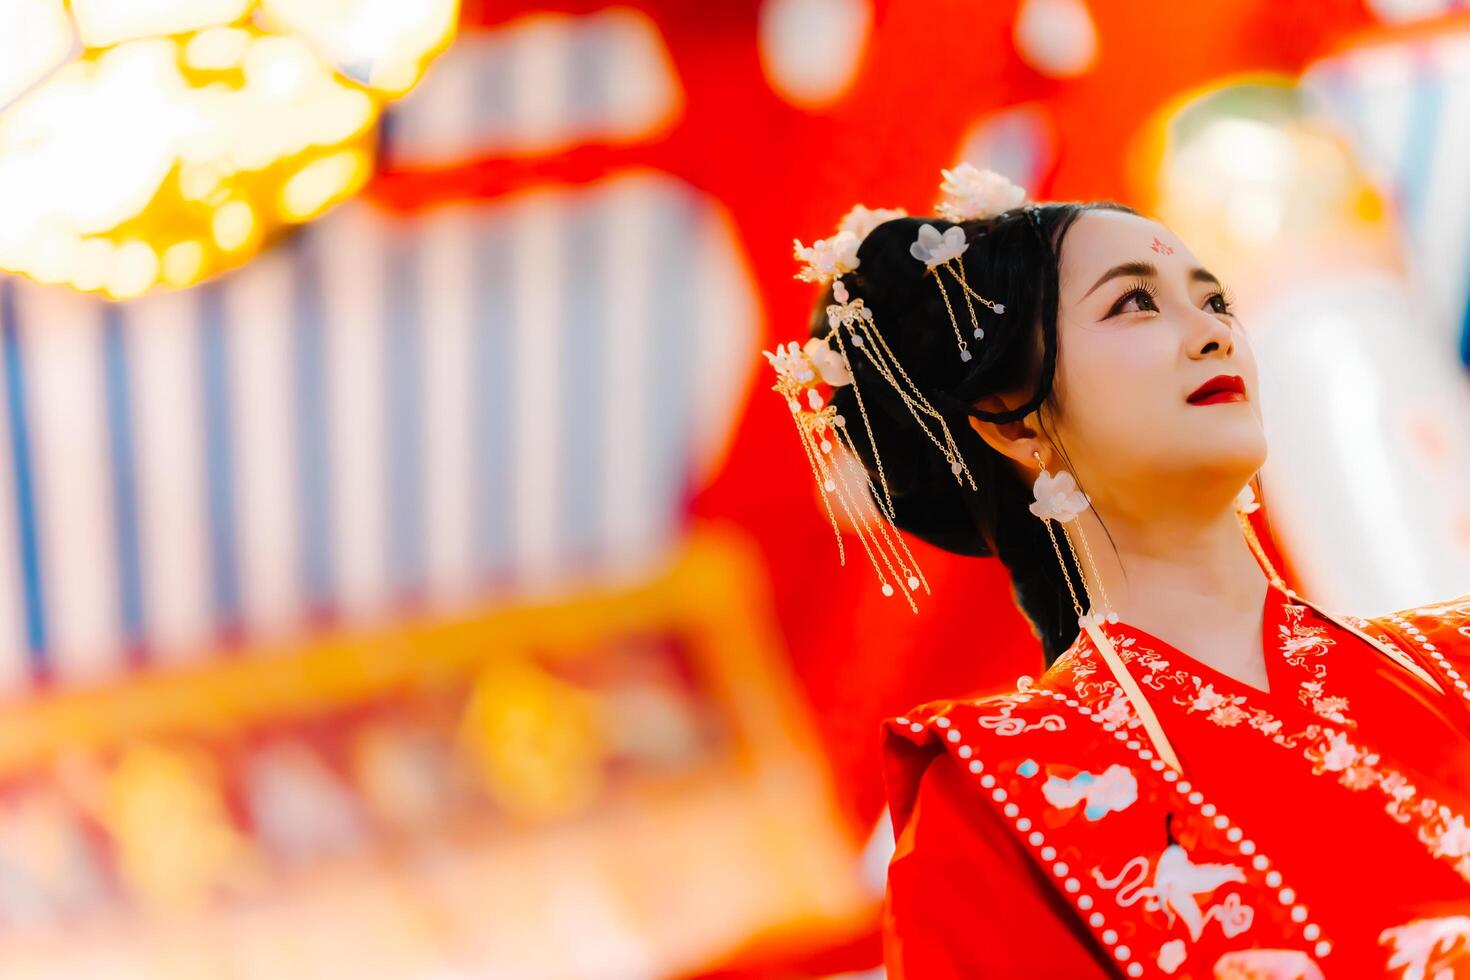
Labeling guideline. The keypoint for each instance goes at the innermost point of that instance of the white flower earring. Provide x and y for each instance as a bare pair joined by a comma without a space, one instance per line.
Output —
1058,499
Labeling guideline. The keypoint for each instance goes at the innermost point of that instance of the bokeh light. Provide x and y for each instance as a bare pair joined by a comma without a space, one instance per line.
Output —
223,123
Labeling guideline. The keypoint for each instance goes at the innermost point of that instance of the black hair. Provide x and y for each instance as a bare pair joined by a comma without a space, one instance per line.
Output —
1014,259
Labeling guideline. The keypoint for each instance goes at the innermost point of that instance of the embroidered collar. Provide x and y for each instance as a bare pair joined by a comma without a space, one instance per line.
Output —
1322,733
1295,641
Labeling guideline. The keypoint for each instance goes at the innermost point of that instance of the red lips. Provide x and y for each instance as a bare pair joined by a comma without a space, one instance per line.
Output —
1222,387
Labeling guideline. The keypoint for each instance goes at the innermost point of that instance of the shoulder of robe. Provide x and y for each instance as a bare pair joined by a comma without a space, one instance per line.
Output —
1437,630
1102,818
992,733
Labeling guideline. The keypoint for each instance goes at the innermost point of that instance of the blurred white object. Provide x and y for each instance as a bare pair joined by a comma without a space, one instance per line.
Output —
382,44
1056,37
810,49
467,402
1367,409
107,22
1369,433
538,84
1404,104
36,38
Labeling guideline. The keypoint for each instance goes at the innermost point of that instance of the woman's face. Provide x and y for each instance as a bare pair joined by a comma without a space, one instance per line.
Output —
1140,327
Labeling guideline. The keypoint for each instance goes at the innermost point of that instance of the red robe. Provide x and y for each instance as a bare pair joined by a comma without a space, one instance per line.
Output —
1315,830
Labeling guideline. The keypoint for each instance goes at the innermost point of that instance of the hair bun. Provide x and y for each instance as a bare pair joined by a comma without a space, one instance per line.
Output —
1013,257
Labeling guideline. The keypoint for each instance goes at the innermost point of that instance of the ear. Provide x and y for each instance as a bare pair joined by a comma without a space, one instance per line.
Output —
1020,440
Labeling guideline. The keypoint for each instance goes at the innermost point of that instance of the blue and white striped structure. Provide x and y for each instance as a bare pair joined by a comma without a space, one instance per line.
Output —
1406,105
539,84
502,398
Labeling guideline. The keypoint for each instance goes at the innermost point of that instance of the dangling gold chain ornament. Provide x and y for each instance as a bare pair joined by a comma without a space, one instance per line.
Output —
825,361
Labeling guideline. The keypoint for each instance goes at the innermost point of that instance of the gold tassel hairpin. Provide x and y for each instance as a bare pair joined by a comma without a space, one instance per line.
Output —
802,370
941,252
969,194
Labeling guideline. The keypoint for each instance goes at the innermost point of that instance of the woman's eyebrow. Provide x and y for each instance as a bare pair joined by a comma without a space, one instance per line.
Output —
1139,268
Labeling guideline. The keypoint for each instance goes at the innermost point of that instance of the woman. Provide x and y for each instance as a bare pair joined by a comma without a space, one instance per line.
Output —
1213,777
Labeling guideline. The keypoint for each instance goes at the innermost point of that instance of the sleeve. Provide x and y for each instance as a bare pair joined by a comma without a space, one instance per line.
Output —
964,900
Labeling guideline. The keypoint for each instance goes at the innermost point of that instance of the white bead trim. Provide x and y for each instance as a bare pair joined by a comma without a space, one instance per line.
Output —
1417,635
1071,886
1046,853
1233,834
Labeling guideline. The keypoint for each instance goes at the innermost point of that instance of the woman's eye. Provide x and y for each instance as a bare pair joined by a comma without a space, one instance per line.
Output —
1143,296
1219,304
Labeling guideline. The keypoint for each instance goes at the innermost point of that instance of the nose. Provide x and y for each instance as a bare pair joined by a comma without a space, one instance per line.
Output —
1211,335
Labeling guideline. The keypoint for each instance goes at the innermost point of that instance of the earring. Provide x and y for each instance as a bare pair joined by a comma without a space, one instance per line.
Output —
1246,504
1058,499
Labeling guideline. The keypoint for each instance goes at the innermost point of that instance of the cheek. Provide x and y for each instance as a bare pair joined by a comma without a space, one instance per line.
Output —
1116,375
1113,383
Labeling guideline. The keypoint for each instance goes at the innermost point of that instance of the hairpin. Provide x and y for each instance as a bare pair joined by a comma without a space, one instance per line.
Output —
969,194
827,360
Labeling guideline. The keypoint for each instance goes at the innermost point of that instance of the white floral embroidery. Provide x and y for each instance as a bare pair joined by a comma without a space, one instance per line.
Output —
1208,699
1429,949
1266,964
1450,838
1228,715
1400,793
1117,710
1115,789
1333,709
1302,645
1328,749
1309,641
1335,755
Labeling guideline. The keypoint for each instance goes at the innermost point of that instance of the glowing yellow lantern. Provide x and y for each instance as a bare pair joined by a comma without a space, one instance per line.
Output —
153,143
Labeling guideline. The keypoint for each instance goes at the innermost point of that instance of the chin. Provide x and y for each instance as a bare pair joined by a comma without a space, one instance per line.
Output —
1238,461
1231,433
1238,453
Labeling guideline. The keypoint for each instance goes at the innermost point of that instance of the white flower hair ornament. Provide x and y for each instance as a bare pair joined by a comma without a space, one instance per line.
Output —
862,220
932,248
970,194
824,361
827,258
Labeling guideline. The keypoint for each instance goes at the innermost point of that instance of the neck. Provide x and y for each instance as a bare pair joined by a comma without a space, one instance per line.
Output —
1176,573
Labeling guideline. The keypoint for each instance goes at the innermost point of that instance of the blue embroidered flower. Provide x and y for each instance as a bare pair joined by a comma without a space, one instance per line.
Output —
1028,768
1115,789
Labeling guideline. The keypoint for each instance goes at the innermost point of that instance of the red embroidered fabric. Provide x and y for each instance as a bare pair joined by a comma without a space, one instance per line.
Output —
1318,829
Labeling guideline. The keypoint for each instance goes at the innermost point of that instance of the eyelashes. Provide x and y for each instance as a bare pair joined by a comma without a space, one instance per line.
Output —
1227,300
1135,287
1149,291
